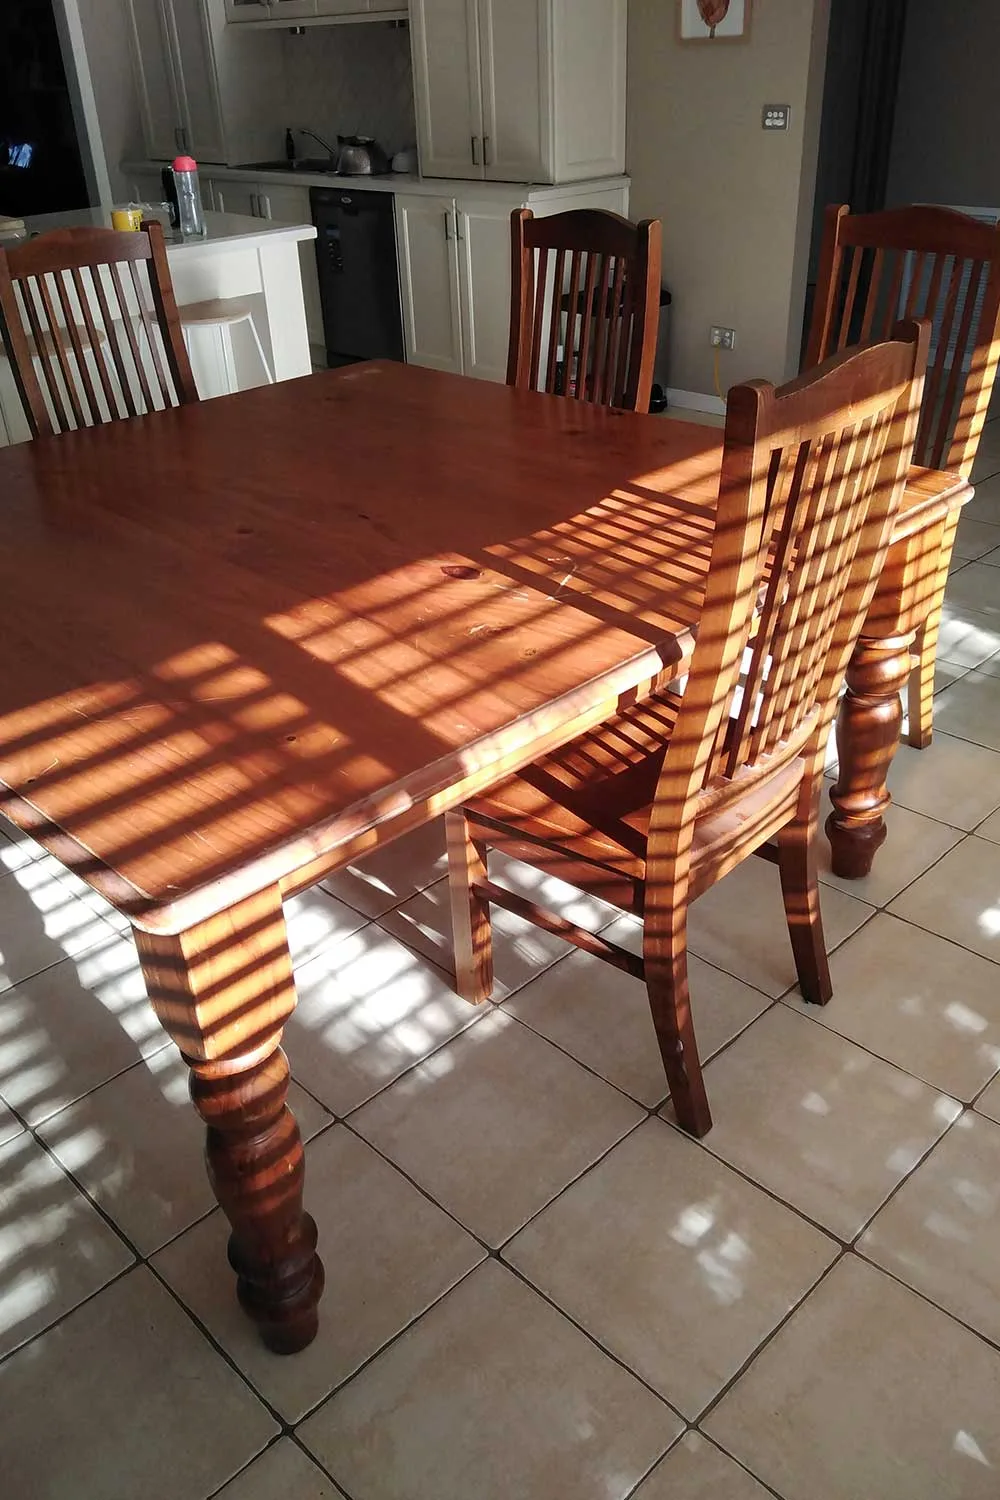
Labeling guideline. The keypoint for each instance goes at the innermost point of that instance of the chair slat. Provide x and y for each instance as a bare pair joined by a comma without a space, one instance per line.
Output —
85,300
93,414
37,322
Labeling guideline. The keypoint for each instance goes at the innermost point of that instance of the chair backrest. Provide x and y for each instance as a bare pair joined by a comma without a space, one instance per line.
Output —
90,325
918,262
812,476
585,306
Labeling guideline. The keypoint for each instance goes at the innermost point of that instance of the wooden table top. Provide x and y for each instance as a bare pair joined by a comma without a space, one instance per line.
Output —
240,633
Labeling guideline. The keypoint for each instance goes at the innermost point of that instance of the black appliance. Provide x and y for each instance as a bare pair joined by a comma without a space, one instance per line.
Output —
358,275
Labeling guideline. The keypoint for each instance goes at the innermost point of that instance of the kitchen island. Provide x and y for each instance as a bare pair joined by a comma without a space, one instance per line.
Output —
239,256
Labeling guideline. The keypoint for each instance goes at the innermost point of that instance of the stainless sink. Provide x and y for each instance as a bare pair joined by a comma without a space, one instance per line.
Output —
325,164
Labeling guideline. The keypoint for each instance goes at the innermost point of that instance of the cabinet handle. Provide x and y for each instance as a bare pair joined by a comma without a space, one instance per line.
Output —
475,151
265,205
447,224
487,160
458,230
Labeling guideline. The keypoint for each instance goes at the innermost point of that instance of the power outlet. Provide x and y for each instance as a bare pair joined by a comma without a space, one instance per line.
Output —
722,338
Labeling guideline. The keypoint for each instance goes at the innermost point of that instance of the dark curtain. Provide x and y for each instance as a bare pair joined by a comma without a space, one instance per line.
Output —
882,54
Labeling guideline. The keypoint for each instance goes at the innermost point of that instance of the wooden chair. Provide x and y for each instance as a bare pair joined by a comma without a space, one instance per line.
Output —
585,306
653,807
919,262
92,311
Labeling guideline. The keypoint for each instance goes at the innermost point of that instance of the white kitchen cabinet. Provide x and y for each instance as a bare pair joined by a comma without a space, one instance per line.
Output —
279,12
237,198
454,270
520,90
484,286
175,72
427,251
290,205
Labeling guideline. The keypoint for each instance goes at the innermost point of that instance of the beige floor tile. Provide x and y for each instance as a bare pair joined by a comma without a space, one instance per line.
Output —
67,1030
138,1148
521,950
967,637
960,898
977,587
368,1009
951,780
388,1254
739,926
991,666
941,1232
918,1001
975,539
282,1473
495,1124
674,1263
16,848
993,558
985,503
913,843
55,1249
10,1125
990,829
493,1394
42,921
317,921
819,1122
695,1469
988,1102
601,1016
126,1399
970,709
868,1391
388,877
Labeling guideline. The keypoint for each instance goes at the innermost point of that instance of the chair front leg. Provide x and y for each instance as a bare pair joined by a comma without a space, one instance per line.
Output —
797,867
471,920
666,962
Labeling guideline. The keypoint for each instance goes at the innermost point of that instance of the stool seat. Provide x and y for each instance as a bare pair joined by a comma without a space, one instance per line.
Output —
46,345
217,310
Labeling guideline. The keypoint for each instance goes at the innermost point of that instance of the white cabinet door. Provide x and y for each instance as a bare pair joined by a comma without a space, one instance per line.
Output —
152,49
516,44
197,87
290,205
237,198
290,10
428,281
447,87
484,285
340,7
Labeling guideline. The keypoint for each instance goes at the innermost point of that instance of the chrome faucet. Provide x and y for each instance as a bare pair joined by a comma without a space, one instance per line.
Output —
332,151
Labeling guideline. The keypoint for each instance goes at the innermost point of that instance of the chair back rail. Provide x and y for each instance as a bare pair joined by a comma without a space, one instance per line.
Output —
91,328
918,262
585,298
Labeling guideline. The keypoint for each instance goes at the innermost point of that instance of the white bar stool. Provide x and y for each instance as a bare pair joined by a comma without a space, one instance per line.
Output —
223,314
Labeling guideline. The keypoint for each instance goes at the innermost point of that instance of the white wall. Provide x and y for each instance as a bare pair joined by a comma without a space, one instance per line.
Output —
735,201
107,59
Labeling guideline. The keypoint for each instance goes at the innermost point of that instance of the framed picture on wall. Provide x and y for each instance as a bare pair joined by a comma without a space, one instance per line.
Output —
713,20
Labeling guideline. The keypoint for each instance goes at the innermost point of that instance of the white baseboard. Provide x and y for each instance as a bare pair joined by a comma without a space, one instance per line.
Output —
695,401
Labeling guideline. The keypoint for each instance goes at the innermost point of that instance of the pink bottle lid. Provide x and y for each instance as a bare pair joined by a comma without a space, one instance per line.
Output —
184,164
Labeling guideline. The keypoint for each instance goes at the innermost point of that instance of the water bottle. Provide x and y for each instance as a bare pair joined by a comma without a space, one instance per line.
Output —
190,220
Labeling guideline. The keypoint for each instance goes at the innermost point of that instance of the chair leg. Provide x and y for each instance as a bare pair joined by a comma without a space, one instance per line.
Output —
800,892
670,1003
472,923
920,693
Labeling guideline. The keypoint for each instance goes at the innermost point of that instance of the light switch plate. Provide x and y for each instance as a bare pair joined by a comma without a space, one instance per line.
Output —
776,116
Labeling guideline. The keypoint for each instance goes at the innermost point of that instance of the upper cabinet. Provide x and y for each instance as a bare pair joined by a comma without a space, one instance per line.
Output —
199,83
520,90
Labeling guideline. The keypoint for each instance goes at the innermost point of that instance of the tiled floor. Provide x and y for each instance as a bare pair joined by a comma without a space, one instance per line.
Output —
536,1286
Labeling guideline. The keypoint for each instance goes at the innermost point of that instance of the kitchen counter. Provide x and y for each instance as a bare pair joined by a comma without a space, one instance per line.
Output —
393,182
222,231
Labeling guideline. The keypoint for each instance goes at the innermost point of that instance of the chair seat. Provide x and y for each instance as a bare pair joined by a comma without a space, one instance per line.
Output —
219,311
592,801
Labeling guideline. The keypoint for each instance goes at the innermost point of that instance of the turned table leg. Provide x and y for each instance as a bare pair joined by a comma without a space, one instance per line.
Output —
223,991
868,728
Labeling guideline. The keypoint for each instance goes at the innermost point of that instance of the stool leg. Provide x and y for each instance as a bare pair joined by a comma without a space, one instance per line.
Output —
229,362
260,351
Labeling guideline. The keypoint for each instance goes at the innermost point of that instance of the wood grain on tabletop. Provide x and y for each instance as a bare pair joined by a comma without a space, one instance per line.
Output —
244,627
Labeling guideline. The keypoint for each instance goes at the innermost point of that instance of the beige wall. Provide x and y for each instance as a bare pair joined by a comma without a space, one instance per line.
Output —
736,202
946,141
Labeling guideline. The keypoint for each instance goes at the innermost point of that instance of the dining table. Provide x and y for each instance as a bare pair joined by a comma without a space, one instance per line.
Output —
250,640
